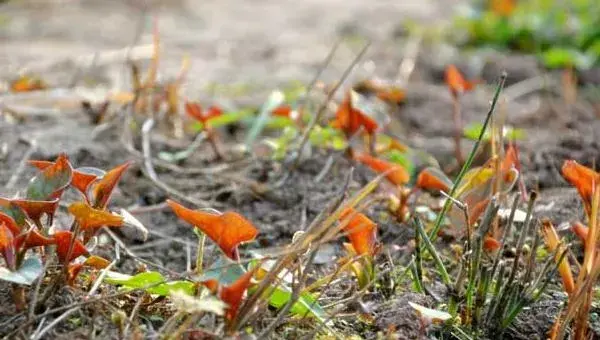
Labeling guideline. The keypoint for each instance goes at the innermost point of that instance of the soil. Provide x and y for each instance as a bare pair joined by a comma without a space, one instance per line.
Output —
229,45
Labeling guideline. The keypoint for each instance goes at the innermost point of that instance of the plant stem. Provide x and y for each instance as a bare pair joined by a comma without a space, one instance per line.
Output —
457,118
469,161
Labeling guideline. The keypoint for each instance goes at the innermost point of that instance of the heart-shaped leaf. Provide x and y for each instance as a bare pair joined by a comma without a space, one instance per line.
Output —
50,183
227,230
10,223
232,295
30,270
32,239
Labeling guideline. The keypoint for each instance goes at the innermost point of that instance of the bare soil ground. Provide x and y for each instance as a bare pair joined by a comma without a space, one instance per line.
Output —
260,46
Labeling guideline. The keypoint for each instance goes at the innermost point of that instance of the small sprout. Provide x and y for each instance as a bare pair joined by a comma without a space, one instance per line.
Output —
351,120
553,243
457,84
394,173
228,230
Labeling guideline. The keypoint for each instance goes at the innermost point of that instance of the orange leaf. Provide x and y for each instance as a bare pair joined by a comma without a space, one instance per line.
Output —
428,181
97,262
194,110
582,178
63,241
213,112
553,243
361,231
73,271
90,218
503,8
7,246
581,231
27,83
392,95
10,223
35,209
52,181
80,181
350,120
232,295
105,186
456,82
227,230
394,173
491,244
32,239
282,111
476,211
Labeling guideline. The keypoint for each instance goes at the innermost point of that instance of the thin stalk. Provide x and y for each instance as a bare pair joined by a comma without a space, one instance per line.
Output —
200,253
431,249
457,119
470,158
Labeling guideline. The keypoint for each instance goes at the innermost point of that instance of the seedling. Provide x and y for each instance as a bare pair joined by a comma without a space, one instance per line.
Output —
195,111
27,240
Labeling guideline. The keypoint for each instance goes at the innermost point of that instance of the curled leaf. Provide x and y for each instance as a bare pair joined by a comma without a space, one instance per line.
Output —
104,187
394,173
32,239
581,231
81,178
431,315
227,230
7,246
35,209
50,183
510,161
90,218
63,242
9,223
433,179
361,231
232,295
582,178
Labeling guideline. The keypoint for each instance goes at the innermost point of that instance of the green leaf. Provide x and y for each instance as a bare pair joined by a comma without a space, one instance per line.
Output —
275,99
225,119
473,130
223,270
306,306
52,180
559,57
402,158
8,208
30,270
151,282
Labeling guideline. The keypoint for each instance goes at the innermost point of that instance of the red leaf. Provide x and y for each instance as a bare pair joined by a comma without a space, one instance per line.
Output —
510,161
213,112
430,181
282,111
503,8
10,224
32,239
90,218
361,231
491,244
582,178
456,82
104,187
7,246
73,271
12,210
80,181
35,209
227,230
51,182
63,241
194,110
394,172
232,295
